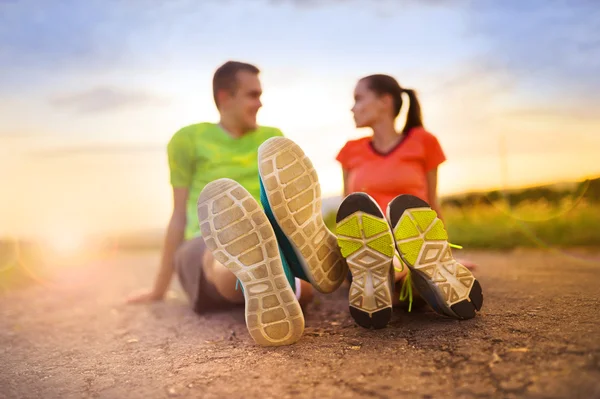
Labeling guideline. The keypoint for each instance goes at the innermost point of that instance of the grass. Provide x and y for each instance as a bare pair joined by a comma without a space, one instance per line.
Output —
533,223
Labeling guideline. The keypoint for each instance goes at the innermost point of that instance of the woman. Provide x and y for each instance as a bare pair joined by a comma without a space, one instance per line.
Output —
390,184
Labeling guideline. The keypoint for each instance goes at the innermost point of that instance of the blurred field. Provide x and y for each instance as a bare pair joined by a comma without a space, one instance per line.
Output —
551,217
530,224
542,217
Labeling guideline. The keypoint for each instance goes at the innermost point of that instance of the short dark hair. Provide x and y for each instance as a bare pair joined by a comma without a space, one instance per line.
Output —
225,77
384,84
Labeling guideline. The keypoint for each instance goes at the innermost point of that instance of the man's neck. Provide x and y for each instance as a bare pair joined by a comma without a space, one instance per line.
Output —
232,129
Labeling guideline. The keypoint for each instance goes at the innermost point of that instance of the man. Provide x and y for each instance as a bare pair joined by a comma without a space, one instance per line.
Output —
203,153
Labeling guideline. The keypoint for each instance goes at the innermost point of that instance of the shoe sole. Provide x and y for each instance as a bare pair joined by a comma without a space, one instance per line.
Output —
293,193
365,240
422,242
239,235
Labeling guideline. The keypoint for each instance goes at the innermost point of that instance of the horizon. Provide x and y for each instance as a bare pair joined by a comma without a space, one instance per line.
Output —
88,116
329,205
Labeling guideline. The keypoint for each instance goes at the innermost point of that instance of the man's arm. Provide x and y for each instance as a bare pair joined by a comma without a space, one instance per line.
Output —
173,239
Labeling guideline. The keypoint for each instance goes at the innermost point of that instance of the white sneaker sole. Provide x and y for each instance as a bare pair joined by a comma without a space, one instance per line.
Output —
294,194
365,239
238,233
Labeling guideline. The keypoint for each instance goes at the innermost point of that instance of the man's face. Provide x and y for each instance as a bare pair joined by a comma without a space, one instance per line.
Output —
242,106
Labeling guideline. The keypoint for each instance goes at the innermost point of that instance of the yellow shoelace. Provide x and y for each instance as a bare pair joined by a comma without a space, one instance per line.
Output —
406,291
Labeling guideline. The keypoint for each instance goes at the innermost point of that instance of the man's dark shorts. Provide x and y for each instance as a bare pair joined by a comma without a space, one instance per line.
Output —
202,294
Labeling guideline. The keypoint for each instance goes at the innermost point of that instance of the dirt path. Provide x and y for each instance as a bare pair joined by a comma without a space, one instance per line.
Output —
538,337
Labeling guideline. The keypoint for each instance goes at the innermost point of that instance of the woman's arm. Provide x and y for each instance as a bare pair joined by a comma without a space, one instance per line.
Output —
345,174
432,180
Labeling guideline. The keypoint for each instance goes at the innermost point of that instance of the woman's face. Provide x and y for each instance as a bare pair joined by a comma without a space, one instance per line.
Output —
368,107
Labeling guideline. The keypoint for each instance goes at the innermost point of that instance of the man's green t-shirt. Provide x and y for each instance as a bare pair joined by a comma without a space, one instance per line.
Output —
203,152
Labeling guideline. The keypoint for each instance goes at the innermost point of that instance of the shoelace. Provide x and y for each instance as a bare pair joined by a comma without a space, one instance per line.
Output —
406,291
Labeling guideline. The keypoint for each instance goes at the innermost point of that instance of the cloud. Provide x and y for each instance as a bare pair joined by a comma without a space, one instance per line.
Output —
397,3
104,99
543,40
553,41
110,32
573,113
10,134
477,73
52,32
97,150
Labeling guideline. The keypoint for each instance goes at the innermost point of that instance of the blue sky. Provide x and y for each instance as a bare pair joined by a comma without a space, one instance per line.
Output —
89,89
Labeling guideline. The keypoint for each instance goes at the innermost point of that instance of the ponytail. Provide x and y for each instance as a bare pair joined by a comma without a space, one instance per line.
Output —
413,117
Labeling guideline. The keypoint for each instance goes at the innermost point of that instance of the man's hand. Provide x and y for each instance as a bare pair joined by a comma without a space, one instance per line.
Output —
144,297
173,239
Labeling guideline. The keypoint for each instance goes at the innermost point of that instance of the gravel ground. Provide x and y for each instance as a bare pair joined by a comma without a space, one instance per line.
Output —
538,336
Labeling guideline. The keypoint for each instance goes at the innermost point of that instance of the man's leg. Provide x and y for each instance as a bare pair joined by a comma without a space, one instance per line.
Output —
209,285
222,279
195,269
225,283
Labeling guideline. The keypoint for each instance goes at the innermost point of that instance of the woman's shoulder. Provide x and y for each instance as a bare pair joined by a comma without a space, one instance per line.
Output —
425,137
352,151
421,132
357,143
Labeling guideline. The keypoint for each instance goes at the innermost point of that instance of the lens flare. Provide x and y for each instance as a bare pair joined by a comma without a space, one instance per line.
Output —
65,244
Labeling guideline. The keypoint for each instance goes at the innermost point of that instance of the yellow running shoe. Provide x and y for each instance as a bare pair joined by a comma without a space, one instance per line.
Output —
422,242
365,240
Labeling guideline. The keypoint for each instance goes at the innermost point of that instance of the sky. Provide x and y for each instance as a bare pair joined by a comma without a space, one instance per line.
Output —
91,92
